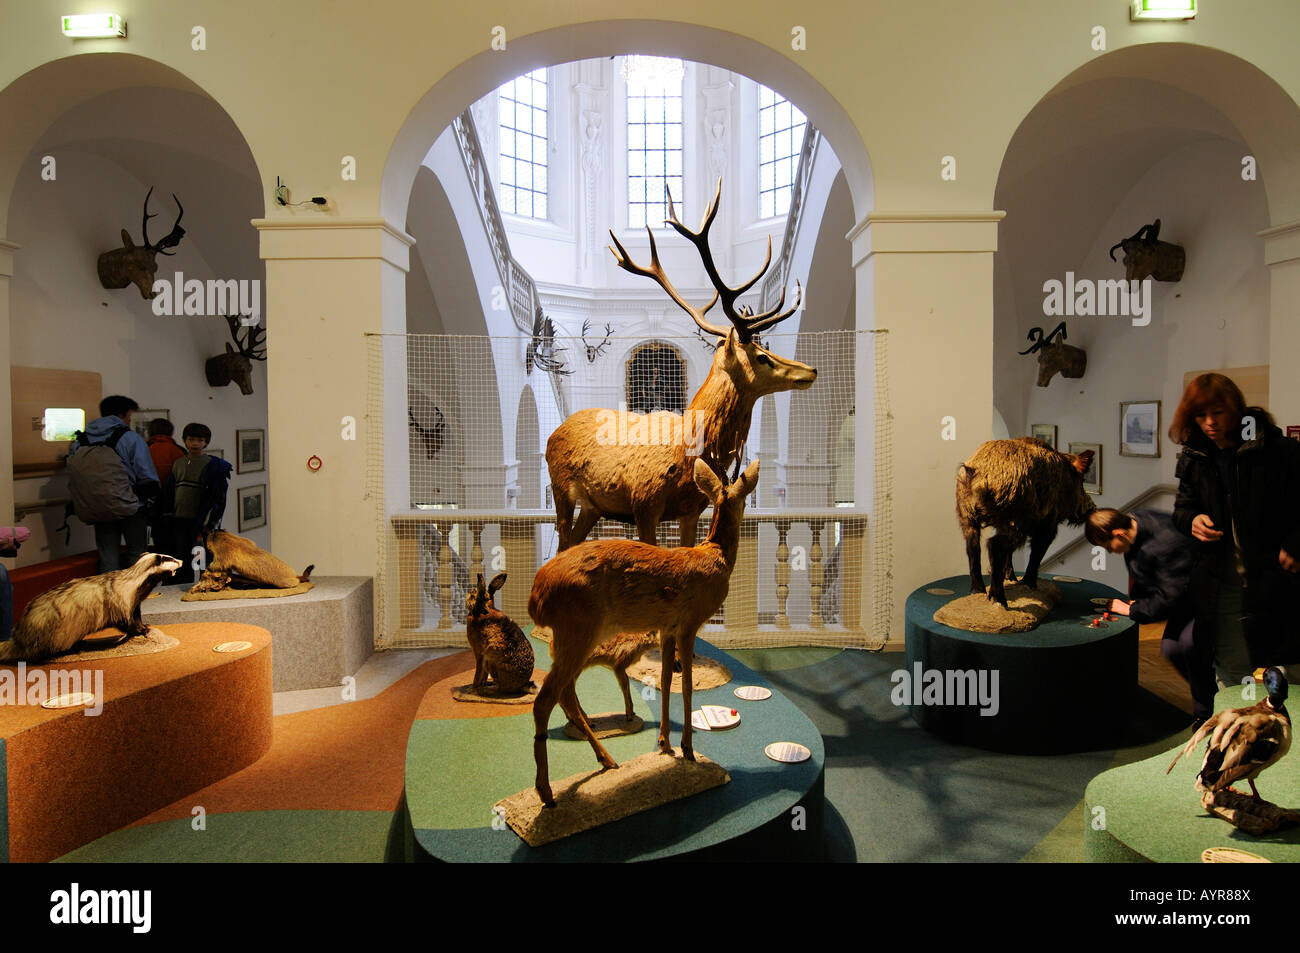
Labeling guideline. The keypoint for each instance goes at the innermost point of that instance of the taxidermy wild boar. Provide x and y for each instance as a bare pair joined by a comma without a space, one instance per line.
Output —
1023,489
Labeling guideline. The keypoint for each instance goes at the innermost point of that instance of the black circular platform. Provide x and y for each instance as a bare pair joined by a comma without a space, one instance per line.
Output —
1062,687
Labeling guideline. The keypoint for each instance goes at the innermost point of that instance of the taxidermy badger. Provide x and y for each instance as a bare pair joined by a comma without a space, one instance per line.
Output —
58,619
239,560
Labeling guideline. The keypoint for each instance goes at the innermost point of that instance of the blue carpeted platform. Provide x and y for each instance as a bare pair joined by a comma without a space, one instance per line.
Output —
457,768
1061,687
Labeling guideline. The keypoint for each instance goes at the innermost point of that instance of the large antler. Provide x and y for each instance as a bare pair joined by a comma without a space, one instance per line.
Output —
173,238
255,338
745,323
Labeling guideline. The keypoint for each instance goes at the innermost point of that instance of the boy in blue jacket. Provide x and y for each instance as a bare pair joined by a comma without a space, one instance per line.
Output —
194,498
1159,560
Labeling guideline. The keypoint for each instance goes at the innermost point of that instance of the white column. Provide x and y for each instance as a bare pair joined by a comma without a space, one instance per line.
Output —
329,282
7,250
1282,255
591,113
928,278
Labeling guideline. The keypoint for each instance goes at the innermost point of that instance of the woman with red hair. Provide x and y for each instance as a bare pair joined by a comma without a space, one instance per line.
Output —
1239,498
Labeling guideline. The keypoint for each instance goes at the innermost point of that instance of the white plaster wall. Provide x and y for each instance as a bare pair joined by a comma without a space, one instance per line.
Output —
63,318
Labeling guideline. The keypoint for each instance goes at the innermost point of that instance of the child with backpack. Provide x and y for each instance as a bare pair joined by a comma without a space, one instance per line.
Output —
112,480
194,498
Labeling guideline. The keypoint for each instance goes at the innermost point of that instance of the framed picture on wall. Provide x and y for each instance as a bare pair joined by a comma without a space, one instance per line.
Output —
140,420
1139,428
1293,431
1091,479
252,506
210,451
1045,433
250,451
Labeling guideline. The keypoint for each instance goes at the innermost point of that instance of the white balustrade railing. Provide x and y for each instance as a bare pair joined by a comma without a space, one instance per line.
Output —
798,579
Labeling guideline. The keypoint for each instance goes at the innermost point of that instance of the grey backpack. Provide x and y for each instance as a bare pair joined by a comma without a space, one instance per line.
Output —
98,481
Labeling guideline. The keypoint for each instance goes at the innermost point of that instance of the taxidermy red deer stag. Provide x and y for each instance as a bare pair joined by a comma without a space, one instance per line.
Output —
1054,356
644,481
237,366
1144,257
137,264
605,587
1021,488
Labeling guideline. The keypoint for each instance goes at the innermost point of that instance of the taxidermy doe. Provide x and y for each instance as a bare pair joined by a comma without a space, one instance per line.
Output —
620,653
1021,488
602,588
501,650
236,366
1055,356
1144,257
137,264
646,481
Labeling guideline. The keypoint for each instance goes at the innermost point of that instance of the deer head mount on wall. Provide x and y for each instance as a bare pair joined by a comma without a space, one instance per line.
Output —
137,264
1144,257
430,437
595,350
236,366
541,351
1053,356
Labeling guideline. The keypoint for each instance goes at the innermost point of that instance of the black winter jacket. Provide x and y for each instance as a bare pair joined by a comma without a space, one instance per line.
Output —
1160,564
1266,515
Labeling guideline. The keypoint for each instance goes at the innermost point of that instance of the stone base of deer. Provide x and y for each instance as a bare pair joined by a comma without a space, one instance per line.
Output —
1026,608
595,798
706,672
611,724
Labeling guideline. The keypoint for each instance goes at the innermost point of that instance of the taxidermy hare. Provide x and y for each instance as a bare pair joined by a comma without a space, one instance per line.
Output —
501,650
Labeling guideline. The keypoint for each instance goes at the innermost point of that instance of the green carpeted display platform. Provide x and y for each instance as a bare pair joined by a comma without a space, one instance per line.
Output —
1060,688
1138,813
459,766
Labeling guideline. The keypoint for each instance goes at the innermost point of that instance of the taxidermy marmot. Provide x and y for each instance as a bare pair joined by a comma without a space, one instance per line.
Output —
58,619
236,559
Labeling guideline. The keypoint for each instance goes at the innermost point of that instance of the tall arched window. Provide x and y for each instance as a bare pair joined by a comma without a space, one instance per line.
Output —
521,108
780,140
656,380
654,137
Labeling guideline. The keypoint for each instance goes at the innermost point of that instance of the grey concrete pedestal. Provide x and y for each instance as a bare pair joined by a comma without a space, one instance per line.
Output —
317,637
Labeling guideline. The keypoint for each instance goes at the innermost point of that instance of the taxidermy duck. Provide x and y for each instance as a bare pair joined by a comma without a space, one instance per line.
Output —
1243,741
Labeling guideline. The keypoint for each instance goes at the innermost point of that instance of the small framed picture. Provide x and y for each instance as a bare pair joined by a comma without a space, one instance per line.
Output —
1293,431
140,420
252,506
215,453
1139,428
1091,479
1045,433
250,451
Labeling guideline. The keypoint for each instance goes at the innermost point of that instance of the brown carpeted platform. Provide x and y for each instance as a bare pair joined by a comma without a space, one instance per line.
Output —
171,723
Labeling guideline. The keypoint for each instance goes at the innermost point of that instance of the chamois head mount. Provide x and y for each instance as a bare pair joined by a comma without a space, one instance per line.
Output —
1145,257
1055,356
137,264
